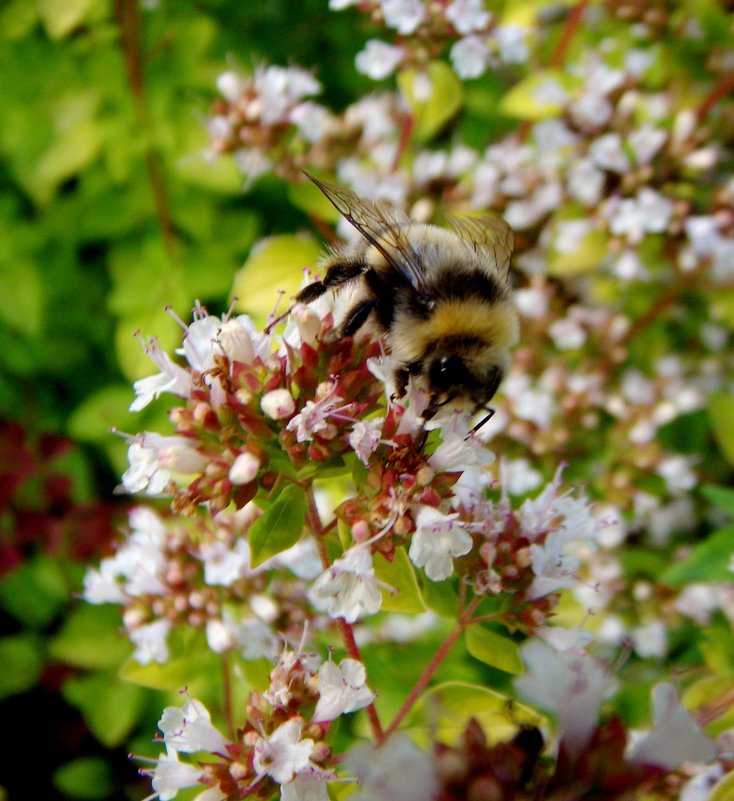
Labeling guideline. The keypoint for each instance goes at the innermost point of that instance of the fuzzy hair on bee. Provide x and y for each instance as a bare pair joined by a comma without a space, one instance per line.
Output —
441,298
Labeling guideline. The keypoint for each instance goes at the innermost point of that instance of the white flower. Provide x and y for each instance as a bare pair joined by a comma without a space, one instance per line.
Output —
608,153
570,234
436,541
283,754
189,728
312,119
342,689
591,108
313,417
570,685
349,588
518,477
655,210
308,785
170,776
650,640
470,57
675,737
403,15
230,85
234,339
552,567
646,142
151,642
567,334
467,15
244,468
172,378
340,5
510,39
144,472
585,181
399,771
378,59
365,437
224,565
281,88
200,342
677,473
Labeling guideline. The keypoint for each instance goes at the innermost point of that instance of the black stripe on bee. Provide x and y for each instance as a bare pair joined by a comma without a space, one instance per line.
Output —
458,284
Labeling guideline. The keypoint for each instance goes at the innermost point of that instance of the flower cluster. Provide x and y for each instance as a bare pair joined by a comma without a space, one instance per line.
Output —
281,745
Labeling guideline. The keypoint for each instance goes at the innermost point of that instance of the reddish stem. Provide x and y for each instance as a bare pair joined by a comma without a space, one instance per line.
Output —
227,694
573,20
314,521
127,14
722,88
406,131
433,665
353,651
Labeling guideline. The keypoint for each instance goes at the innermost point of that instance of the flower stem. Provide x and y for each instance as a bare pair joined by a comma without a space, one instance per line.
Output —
353,651
433,665
314,521
227,694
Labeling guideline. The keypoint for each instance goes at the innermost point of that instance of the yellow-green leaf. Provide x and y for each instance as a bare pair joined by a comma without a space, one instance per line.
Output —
493,649
539,95
449,707
721,411
434,95
591,249
275,264
724,790
400,576
61,17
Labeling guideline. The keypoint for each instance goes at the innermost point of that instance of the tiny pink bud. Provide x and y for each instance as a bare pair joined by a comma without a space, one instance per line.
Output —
360,531
488,552
424,475
277,404
244,468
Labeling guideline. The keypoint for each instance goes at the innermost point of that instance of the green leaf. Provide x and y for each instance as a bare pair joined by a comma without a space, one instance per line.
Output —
440,597
279,527
61,18
20,280
110,707
721,411
708,562
86,777
493,649
450,706
107,408
434,95
90,638
308,197
274,264
400,575
191,664
539,95
721,497
22,659
35,592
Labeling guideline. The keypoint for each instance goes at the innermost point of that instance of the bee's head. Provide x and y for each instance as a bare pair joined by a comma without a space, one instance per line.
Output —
452,375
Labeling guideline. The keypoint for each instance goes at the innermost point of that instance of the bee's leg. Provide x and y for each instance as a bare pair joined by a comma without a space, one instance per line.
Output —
485,419
357,316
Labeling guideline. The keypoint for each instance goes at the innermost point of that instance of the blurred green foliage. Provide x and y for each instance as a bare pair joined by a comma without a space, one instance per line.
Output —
109,212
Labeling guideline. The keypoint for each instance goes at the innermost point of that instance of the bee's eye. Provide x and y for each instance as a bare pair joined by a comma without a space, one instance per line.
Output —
448,372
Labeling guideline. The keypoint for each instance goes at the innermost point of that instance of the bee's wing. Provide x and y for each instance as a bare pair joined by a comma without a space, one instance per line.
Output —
381,227
488,233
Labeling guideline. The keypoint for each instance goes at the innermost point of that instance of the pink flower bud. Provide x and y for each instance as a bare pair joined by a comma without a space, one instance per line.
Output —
278,404
244,468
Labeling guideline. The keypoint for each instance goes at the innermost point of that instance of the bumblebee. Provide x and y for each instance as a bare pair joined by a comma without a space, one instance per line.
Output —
440,298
